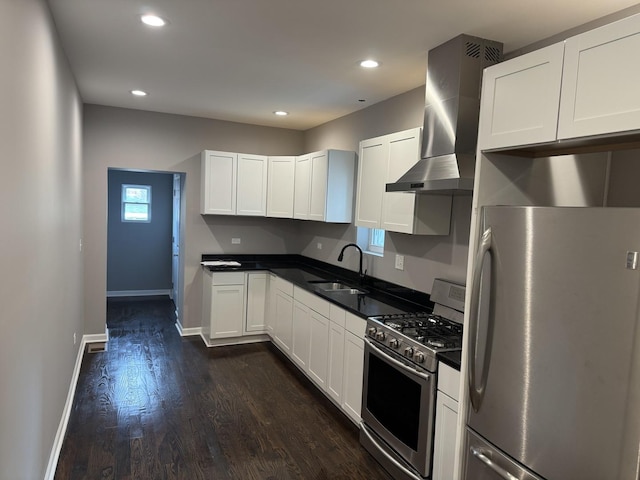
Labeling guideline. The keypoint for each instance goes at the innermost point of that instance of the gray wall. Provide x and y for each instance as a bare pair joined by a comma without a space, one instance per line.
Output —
139,254
40,205
426,257
133,139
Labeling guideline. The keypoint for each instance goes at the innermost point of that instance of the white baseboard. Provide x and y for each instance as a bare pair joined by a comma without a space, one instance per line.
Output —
137,293
187,332
66,412
223,342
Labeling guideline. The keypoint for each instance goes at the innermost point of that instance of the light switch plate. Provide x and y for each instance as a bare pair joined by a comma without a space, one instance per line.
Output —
235,241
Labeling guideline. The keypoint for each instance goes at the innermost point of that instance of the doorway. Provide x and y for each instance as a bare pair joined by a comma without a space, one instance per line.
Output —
144,233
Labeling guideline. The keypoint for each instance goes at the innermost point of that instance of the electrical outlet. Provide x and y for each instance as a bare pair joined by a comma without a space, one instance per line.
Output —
74,338
235,241
319,245
80,245
400,262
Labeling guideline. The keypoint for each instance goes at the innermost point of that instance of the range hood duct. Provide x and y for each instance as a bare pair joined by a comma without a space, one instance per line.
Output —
452,108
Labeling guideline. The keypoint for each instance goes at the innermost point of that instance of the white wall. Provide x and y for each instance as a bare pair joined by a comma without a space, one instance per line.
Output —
135,139
40,204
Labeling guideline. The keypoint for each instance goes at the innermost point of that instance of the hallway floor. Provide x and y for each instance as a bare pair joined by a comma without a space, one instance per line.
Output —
158,406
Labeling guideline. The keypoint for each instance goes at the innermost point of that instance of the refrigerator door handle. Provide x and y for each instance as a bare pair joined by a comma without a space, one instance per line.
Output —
476,392
490,464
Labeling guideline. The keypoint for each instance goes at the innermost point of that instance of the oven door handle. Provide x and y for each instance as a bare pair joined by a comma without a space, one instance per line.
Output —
405,470
397,363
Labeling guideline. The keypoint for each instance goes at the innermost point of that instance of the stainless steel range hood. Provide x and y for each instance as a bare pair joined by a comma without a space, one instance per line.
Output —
452,107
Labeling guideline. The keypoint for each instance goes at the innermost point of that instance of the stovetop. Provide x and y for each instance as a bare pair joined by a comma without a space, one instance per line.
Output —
417,337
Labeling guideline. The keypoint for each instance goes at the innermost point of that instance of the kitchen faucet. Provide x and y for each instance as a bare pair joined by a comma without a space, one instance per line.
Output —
341,256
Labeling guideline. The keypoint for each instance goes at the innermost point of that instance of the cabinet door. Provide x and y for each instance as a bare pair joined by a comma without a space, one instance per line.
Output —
444,450
302,187
600,81
319,348
353,373
227,311
398,207
271,304
218,183
520,97
251,196
301,335
283,321
372,168
256,303
318,186
281,177
335,373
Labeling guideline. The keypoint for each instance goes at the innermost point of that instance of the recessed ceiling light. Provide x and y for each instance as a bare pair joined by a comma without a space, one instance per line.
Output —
139,93
153,20
369,64
281,113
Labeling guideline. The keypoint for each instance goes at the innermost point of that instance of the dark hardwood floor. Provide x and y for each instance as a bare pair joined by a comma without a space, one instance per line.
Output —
158,406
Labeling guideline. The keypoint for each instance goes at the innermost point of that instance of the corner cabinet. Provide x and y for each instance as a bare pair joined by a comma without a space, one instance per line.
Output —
384,160
324,183
233,184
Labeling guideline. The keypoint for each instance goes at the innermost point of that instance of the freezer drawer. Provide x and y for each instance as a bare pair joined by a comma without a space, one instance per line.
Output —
485,462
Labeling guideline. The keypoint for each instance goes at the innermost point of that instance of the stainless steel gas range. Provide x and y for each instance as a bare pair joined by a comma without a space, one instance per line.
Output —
400,370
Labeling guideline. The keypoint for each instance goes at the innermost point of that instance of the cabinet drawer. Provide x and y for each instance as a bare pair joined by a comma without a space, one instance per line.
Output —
355,324
227,278
312,301
284,286
448,380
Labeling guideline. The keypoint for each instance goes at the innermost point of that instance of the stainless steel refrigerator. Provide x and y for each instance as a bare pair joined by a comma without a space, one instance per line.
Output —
554,345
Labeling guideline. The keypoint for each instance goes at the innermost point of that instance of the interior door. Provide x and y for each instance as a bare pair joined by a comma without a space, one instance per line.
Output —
175,242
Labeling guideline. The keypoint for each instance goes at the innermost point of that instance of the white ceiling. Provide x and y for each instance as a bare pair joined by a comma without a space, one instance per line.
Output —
240,60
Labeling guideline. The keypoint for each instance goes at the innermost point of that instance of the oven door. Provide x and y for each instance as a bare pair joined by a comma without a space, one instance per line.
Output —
398,405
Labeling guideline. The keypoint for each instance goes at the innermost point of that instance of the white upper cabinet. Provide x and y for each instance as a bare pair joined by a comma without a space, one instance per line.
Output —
280,186
324,184
585,86
251,197
600,91
302,187
372,168
519,104
233,184
218,183
384,160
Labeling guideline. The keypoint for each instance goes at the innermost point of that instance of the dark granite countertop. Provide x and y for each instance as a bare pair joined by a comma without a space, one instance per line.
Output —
453,359
380,298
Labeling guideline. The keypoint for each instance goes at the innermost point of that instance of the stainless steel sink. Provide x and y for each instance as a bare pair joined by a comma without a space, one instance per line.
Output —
337,287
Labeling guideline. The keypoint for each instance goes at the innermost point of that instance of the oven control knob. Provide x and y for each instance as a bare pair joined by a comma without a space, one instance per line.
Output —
419,357
372,331
380,336
408,352
393,343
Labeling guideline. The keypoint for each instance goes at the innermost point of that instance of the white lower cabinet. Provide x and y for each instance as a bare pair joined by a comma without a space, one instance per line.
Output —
335,365
318,348
271,304
444,457
301,335
353,366
256,302
224,304
283,326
